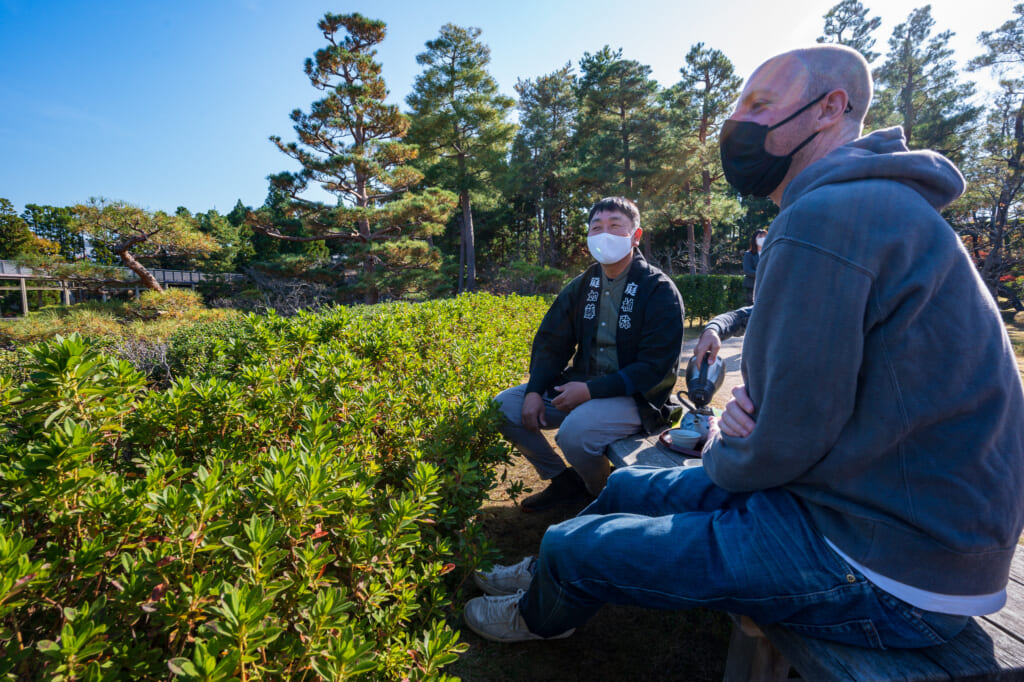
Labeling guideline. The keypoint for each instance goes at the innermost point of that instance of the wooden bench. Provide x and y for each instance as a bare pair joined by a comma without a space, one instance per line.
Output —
646,451
989,648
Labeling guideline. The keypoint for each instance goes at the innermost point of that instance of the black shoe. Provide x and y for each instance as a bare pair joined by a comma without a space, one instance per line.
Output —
565,488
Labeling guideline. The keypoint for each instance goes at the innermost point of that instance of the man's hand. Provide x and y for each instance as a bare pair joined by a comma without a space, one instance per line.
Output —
571,395
532,413
708,342
736,420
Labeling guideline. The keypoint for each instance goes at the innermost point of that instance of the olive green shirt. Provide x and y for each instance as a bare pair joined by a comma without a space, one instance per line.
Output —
605,355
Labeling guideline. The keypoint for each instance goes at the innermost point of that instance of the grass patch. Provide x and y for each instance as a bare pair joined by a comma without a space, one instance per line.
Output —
110,320
138,331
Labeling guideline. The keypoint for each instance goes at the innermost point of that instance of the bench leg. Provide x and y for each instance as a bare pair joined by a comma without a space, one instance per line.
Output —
752,658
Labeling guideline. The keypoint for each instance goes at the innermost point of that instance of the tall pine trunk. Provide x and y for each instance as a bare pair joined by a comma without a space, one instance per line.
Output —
907,95
542,228
372,294
627,165
462,253
555,244
691,247
468,240
705,256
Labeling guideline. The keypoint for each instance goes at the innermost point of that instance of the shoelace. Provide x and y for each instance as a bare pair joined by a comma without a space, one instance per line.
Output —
506,572
513,613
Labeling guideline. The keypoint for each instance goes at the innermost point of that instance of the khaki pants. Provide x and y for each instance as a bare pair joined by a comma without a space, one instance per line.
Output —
582,436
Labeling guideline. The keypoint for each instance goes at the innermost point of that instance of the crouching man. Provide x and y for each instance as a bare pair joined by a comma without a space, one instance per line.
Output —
620,324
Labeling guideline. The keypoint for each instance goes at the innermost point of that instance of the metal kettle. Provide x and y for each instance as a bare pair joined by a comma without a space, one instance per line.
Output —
703,379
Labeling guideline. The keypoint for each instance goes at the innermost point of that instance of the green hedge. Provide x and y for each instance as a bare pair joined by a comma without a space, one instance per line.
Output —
301,507
708,295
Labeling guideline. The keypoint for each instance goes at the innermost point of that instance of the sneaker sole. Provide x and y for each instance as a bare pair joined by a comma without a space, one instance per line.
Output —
529,637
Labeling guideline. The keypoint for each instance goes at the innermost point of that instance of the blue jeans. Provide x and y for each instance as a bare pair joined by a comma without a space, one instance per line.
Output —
672,539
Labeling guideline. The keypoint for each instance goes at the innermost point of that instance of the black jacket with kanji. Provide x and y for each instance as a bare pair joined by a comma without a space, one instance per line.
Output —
648,341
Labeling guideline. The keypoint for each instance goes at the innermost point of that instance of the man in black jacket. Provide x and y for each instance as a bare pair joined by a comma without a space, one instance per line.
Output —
621,325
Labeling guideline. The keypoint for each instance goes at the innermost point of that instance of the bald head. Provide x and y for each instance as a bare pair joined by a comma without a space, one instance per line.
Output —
824,68
804,104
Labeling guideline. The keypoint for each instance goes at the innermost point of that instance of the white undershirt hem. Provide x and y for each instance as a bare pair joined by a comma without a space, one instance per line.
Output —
953,604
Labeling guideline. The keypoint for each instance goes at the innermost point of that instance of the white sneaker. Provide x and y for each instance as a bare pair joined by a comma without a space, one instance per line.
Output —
498,619
504,580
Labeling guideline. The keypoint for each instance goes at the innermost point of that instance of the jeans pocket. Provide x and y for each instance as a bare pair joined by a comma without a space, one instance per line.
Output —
859,632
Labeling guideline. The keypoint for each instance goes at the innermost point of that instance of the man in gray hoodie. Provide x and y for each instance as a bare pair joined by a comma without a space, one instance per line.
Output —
865,484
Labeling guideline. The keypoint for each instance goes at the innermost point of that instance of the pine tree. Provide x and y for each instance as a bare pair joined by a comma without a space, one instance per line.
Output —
995,171
459,123
692,189
131,233
917,87
618,136
1005,47
56,224
246,252
15,236
351,144
542,177
232,244
847,24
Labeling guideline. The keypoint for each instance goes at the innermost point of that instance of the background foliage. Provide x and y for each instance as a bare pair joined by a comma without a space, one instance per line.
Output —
594,127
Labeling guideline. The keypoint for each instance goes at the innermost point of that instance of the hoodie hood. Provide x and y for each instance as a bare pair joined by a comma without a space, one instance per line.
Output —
882,154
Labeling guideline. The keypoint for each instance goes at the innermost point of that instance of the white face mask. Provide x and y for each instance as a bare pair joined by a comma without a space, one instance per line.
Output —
760,242
609,248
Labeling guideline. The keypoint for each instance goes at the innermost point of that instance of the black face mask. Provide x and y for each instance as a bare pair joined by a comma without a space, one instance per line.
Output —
748,166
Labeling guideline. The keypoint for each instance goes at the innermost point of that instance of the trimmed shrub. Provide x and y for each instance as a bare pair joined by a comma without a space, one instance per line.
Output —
206,348
172,301
303,508
708,295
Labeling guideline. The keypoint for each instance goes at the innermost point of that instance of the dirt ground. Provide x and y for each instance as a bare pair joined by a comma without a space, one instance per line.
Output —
619,643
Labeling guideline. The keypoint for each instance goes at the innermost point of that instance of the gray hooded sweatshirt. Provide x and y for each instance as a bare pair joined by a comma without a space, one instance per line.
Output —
887,393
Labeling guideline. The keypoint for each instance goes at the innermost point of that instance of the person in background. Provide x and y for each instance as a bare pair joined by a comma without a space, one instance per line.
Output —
620,323
750,259
865,485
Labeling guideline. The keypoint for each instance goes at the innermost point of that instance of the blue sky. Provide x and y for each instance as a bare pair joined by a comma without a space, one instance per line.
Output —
167,104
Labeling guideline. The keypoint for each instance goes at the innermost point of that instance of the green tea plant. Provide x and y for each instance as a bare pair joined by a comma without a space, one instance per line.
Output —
300,504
